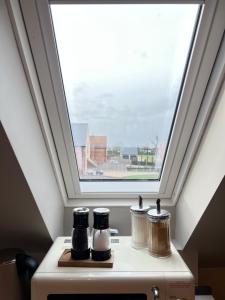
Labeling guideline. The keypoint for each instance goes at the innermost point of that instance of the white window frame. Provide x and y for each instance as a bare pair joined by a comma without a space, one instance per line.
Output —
38,26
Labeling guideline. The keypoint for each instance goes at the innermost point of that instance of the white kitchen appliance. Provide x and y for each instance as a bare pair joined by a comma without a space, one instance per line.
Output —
135,275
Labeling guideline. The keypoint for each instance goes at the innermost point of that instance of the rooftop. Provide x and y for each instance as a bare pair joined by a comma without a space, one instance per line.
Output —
80,134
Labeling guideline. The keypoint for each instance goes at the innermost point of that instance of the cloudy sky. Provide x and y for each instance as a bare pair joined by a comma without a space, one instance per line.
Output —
122,67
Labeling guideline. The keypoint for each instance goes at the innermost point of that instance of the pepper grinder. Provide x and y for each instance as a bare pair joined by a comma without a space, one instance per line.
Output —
80,234
101,235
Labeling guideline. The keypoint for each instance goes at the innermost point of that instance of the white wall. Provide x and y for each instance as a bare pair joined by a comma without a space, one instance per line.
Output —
19,119
205,176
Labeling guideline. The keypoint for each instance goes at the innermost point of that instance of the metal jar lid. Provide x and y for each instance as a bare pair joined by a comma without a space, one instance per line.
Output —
81,210
139,209
158,213
162,215
101,211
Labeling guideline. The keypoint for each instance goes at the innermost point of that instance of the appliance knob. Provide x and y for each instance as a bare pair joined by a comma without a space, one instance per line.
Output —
155,292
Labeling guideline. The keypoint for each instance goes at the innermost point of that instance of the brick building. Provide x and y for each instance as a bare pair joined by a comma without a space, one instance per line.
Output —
98,148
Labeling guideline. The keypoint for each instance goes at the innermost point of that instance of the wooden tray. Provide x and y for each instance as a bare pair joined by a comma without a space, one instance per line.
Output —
66,260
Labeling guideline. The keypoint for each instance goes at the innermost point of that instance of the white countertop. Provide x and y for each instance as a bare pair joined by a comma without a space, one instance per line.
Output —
126,259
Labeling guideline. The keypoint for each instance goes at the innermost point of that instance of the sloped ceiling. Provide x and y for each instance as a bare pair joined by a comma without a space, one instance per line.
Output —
21,224
208,237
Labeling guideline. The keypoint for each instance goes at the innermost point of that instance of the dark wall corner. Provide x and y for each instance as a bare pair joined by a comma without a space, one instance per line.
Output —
21,224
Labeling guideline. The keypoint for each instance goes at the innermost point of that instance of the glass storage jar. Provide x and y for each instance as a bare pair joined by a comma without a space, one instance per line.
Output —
159,232
139,228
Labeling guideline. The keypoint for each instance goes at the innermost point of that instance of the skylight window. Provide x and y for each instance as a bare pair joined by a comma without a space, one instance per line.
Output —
124,91
123,67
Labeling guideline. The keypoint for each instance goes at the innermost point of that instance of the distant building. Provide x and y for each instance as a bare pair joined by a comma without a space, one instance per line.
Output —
80,138
98,148
130,153
146,156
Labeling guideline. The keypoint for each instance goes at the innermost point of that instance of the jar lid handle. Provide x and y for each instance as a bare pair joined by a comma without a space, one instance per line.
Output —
140,201
158,206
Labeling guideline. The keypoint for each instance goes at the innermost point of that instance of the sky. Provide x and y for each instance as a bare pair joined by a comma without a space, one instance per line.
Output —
122,67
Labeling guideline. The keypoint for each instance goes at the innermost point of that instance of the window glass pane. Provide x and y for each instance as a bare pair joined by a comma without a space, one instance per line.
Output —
122,68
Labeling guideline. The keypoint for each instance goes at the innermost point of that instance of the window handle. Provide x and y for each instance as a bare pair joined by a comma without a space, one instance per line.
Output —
155,292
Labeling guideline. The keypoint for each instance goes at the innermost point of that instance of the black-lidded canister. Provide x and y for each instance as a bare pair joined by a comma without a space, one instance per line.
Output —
80,234
101,235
